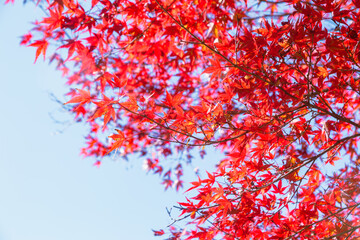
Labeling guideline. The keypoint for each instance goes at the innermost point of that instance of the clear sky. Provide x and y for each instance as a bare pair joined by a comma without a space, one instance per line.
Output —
47,191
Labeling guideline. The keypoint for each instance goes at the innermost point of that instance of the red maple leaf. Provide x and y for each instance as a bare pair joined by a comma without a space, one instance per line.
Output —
118,138
82,97
41,46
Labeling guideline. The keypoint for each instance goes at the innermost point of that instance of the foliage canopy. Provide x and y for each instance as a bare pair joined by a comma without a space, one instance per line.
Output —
272,84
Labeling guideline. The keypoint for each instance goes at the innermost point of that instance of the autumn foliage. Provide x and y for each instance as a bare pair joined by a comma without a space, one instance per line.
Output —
272,84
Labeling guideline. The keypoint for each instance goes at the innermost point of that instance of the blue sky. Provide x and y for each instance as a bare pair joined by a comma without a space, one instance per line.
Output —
47,191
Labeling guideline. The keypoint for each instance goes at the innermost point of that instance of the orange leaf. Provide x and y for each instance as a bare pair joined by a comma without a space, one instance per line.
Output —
104,108
119,139
83,97
131,104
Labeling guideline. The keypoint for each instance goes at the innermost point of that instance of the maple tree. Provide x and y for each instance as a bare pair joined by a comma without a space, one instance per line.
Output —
272,84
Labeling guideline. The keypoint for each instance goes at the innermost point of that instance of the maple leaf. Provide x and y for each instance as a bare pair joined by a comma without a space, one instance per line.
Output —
168,183
118,138
25,39
131,104
174,101
104,107
55,19
72,46
41,46
82,98
158,232
215,70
